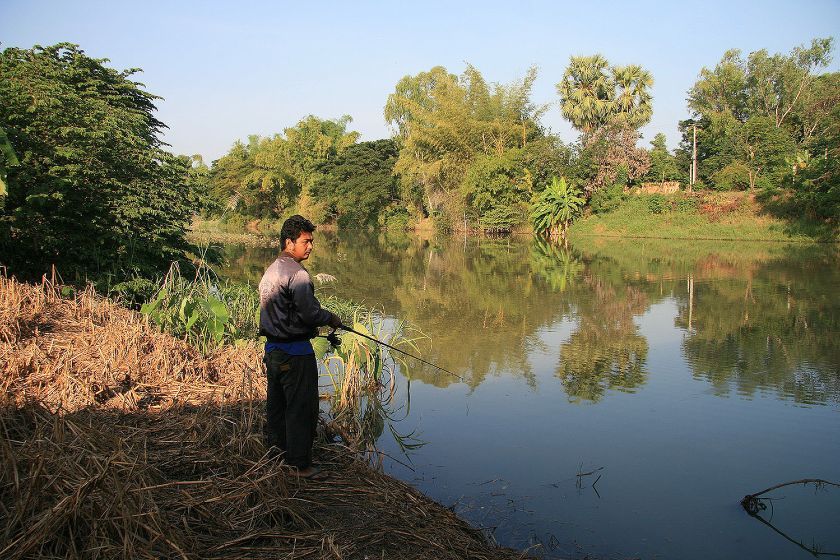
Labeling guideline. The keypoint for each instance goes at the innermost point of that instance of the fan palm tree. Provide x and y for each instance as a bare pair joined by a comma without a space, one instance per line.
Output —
633,99
586,92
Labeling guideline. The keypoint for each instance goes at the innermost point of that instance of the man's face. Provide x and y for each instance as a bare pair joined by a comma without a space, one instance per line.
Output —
300,247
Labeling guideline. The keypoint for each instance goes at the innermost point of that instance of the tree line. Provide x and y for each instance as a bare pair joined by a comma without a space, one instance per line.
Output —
86,182
470,153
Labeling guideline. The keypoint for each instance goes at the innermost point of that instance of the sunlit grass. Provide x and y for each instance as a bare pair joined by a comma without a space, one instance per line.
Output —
711,216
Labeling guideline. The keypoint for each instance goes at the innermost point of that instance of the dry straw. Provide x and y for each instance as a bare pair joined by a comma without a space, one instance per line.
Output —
119,441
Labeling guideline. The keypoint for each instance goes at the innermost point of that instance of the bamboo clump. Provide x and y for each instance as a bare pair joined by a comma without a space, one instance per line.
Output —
119,441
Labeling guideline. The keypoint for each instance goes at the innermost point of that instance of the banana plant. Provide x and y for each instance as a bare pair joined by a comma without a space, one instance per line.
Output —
556,207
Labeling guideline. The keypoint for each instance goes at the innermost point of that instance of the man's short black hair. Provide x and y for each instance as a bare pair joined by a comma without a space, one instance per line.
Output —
293,227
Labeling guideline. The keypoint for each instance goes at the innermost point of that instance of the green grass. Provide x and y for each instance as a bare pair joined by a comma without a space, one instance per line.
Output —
707,216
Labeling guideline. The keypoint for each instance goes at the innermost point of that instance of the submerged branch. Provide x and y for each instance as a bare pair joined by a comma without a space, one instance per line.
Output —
751,502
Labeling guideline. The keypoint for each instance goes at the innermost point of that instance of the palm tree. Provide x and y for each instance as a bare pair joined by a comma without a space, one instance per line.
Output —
586,92
633,99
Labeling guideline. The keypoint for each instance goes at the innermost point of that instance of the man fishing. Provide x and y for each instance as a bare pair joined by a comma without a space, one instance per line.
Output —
290,315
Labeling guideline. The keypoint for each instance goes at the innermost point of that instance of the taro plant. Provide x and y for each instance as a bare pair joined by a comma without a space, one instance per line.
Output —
204,310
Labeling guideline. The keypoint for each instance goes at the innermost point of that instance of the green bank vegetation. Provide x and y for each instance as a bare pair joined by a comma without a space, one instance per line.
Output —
704,215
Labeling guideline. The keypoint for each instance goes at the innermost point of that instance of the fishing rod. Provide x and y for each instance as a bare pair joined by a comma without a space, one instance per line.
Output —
336,342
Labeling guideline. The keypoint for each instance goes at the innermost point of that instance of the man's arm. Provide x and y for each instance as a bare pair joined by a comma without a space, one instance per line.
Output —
307,305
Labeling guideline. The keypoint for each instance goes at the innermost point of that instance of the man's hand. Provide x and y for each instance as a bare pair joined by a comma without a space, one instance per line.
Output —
335,321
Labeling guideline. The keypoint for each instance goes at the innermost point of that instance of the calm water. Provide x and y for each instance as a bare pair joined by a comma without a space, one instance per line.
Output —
682,375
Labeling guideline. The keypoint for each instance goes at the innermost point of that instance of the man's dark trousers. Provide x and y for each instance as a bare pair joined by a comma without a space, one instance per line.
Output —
292,405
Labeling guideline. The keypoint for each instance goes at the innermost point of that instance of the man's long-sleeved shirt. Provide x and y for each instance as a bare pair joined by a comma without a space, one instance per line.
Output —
289,310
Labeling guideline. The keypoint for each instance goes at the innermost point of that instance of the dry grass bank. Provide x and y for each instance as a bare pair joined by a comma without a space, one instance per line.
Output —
122,442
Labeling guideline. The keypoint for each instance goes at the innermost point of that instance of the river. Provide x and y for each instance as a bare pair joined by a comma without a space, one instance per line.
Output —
619,397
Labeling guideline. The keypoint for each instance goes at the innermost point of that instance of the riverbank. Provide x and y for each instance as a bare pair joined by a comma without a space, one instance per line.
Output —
714,216
121,441
737,216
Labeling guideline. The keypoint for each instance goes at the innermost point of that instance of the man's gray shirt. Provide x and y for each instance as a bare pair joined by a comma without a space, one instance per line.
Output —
289,310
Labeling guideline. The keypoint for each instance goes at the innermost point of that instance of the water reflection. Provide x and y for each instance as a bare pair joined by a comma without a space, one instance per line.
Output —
754,317
651,335
606,350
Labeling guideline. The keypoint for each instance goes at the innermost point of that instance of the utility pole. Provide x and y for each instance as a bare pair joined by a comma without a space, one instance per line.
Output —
693,161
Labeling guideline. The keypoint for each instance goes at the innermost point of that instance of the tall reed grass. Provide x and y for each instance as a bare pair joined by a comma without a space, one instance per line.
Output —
364,379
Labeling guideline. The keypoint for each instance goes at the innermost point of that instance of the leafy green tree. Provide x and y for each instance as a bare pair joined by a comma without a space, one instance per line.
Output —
227,175
817,174
663,164
358,184
722,90
555,208
271,183
496,189
546,157
445,123
266,177
759,120
818,118
776,84
198,181
765,149
307,146
414,97
95,191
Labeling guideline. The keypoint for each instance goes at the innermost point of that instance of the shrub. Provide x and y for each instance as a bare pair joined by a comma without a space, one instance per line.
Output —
687,205
735,176
396,217
607,199
658,204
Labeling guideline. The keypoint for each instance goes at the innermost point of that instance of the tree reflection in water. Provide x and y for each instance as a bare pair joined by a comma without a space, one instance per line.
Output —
755,317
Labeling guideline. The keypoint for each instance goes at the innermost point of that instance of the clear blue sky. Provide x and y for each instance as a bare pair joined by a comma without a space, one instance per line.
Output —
227,70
